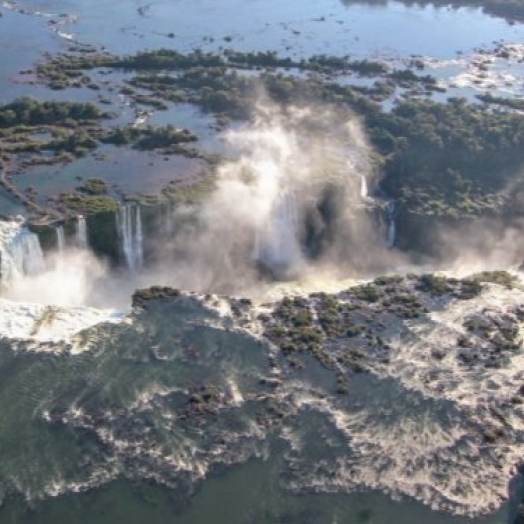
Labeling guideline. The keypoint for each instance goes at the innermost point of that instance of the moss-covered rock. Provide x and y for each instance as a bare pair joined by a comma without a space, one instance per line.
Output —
142,297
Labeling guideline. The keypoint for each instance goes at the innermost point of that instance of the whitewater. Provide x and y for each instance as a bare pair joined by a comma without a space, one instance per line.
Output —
341,383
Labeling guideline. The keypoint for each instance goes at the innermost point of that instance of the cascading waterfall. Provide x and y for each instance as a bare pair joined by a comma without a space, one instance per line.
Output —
81,233
27,253
392,226
277,243
129,224
20,251
139,239
363,188
60,239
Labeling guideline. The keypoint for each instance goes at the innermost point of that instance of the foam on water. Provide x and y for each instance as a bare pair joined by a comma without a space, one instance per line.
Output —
469,386
24,271
392,433
424,359
415,427
19,320
401,445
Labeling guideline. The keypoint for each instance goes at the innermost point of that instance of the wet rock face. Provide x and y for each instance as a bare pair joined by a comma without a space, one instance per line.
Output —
103,236
365,389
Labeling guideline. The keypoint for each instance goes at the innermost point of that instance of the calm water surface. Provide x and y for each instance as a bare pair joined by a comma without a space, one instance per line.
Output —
300,28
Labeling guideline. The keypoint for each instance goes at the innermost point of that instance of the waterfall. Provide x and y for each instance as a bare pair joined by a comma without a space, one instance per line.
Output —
60,239
129,224
81,233
392,226
168,219
363,188
20,251
27,253
277,244
139,242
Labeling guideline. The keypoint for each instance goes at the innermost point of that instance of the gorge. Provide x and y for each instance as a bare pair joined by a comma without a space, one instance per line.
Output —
261,262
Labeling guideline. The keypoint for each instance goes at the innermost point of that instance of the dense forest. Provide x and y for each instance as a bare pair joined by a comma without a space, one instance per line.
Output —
28,111
448,159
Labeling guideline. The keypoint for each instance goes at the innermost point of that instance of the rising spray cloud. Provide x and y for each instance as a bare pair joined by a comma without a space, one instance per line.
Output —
288,202
291,203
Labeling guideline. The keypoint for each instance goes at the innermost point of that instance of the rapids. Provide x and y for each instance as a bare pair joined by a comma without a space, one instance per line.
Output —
186,386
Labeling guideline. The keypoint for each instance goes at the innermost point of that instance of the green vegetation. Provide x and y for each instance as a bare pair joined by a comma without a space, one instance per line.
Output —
406,77
69,68
51,132
470,288
218,83
294,330
446,161
386,295
142,297
368,292
449,159
48,132
88,204
492,337
181,193
121,136
103,232
164,138
434,284
443,160
226,90
344,332
388,280
512,103
94,186
502,278
29,112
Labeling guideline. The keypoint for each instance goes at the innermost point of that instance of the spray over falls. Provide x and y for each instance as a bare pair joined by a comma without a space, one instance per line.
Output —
293,198
277,243
288,201
293,201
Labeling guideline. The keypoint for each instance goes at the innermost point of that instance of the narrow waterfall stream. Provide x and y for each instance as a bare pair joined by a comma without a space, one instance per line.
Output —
81,233
392,226
60,239
129,224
